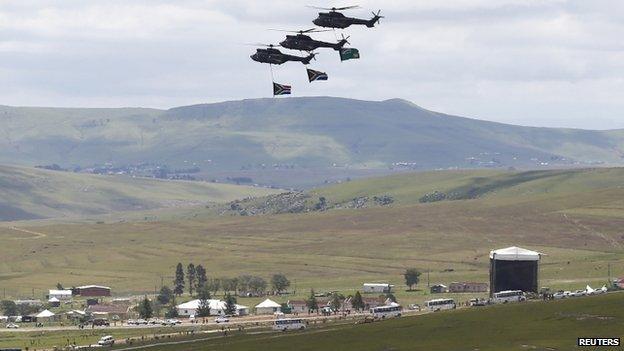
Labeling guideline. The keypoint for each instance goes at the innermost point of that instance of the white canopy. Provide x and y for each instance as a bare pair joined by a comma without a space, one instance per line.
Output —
213,304
45,314
54,299
268,303
515,254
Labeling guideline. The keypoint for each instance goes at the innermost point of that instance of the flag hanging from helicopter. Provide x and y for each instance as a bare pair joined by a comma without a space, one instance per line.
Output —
281,89
316,75
349,54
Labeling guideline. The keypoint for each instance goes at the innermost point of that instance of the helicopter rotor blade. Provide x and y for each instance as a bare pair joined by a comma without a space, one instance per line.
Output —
335,8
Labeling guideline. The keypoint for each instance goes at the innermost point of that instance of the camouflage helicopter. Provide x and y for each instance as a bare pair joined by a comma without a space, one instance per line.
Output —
275,57
303,42
335,19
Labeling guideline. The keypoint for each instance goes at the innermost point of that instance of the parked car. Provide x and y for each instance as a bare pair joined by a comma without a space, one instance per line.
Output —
106,341
478,302
561,294
222,319
578,293
141,321
12,326
100,322
131,322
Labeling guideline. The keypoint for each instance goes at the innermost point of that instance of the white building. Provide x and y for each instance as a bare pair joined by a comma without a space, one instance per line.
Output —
380,288
268,306
60,294
217,307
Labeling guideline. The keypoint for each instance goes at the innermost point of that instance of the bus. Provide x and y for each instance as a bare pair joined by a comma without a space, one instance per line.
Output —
509,296
289,324
384,312
440,304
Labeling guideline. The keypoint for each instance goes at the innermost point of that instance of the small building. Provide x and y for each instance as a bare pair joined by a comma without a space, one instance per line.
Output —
438,289
63,295
379,288
34,303
298,306
369,302
465,287
93,291
54,302
268,306
45,316
217,307
109,311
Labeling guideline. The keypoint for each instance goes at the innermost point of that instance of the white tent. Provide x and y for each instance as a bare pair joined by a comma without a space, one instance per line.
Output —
514,253
268,306
217,307
44,315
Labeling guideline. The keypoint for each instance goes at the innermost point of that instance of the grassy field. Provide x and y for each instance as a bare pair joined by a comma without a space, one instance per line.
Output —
552,325
28,193
575,217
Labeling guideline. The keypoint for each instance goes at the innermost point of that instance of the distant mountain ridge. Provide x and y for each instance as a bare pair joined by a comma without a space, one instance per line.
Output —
308,132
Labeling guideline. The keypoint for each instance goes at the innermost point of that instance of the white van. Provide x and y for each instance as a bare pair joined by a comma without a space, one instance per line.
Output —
509,296
289,324
106,341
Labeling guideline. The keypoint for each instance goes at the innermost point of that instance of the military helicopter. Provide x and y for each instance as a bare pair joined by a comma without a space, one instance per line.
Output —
303,42
335,19
276,57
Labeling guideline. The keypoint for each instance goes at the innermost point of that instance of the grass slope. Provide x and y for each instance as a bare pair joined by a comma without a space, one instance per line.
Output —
309,132
578,228
533,326
495,185
27,193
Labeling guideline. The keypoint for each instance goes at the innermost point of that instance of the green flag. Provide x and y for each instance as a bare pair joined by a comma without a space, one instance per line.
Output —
349,54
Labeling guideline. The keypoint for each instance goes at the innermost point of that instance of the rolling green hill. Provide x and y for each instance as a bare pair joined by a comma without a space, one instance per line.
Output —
27,193
574,216
411,188
304,133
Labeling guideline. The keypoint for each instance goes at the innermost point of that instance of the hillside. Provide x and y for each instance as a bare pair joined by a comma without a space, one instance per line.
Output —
27,193
574,216
253,137
495,186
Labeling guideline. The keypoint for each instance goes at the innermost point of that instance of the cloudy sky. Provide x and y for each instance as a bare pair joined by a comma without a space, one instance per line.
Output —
530,62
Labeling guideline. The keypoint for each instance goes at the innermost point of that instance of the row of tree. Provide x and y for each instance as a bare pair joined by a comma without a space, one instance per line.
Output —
195,279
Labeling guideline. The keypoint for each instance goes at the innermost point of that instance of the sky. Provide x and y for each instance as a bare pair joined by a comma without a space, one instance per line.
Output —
531,62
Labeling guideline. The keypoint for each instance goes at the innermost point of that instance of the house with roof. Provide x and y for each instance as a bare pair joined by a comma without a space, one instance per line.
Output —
464,287
62,295
379,288
93,291
110,311
268,306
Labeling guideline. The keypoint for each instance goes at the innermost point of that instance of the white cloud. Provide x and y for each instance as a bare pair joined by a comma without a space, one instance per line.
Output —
543,62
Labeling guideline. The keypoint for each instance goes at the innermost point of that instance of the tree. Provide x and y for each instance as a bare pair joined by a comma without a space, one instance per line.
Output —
165,295
279,282
243,282
9,308
391,297
200,276
59,286
145,309
172,310
357,302
230,304
412,276
178,283
190,276
203,310
214,284
312,303
229,285
257,285
335,302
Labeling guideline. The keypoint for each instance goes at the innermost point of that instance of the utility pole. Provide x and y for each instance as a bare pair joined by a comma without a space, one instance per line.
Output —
428,278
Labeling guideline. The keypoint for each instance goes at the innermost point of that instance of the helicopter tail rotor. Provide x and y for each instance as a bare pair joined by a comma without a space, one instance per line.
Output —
376,17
